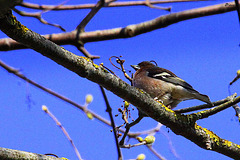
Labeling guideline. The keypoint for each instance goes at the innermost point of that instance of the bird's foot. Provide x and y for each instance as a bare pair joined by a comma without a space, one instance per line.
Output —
158,100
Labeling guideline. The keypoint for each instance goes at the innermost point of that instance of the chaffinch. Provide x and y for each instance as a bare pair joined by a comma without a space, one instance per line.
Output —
163,85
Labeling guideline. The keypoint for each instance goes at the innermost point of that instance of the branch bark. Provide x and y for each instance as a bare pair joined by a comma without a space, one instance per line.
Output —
180,124
10,154
129,31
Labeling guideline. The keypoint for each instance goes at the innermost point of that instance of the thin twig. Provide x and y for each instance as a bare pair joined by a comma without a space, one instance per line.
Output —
55,7
107,69
133,145
81,27
110,59
109,110
120,62
236,78
148,3
204,106
207,113
149,132
155,152
90,15
46,110
154,131
16,72
38,15
86,53
170,144
128,126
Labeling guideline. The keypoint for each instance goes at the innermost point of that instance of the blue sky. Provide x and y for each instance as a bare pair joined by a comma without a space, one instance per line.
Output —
203,51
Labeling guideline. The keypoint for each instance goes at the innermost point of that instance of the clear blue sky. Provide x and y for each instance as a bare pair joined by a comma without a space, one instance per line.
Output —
203,51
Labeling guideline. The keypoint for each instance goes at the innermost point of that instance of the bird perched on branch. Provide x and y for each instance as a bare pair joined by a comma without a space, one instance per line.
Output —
163,85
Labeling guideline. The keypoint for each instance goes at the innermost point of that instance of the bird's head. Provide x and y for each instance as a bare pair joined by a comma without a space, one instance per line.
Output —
143,64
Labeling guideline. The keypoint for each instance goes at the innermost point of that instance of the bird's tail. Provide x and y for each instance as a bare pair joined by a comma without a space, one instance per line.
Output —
203,98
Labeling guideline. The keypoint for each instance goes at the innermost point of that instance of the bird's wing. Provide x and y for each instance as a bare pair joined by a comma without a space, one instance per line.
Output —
168,76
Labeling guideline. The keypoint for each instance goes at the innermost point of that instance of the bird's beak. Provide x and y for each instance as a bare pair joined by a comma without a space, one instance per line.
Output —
136,67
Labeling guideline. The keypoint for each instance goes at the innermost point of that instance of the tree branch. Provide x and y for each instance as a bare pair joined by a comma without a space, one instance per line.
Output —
61,97
38,15
18,74
207,113
86,53
84,67
148,3
46,110
90,6
90,15
129,31
156,153
203,106
109,110
10,154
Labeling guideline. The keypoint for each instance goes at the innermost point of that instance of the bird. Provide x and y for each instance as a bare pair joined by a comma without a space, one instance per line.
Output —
163,85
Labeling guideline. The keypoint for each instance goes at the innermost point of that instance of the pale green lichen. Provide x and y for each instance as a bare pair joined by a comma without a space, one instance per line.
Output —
167,109
211,135
227,143
218,141
86,58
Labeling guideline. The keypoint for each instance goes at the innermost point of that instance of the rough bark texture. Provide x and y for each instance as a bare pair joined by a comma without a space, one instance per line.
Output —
180,124
10,154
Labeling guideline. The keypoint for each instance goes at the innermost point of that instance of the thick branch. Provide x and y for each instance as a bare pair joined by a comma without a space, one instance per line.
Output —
10,154
129,31
84,67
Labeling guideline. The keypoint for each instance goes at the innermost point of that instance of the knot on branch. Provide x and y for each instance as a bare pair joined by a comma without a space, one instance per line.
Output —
129,31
